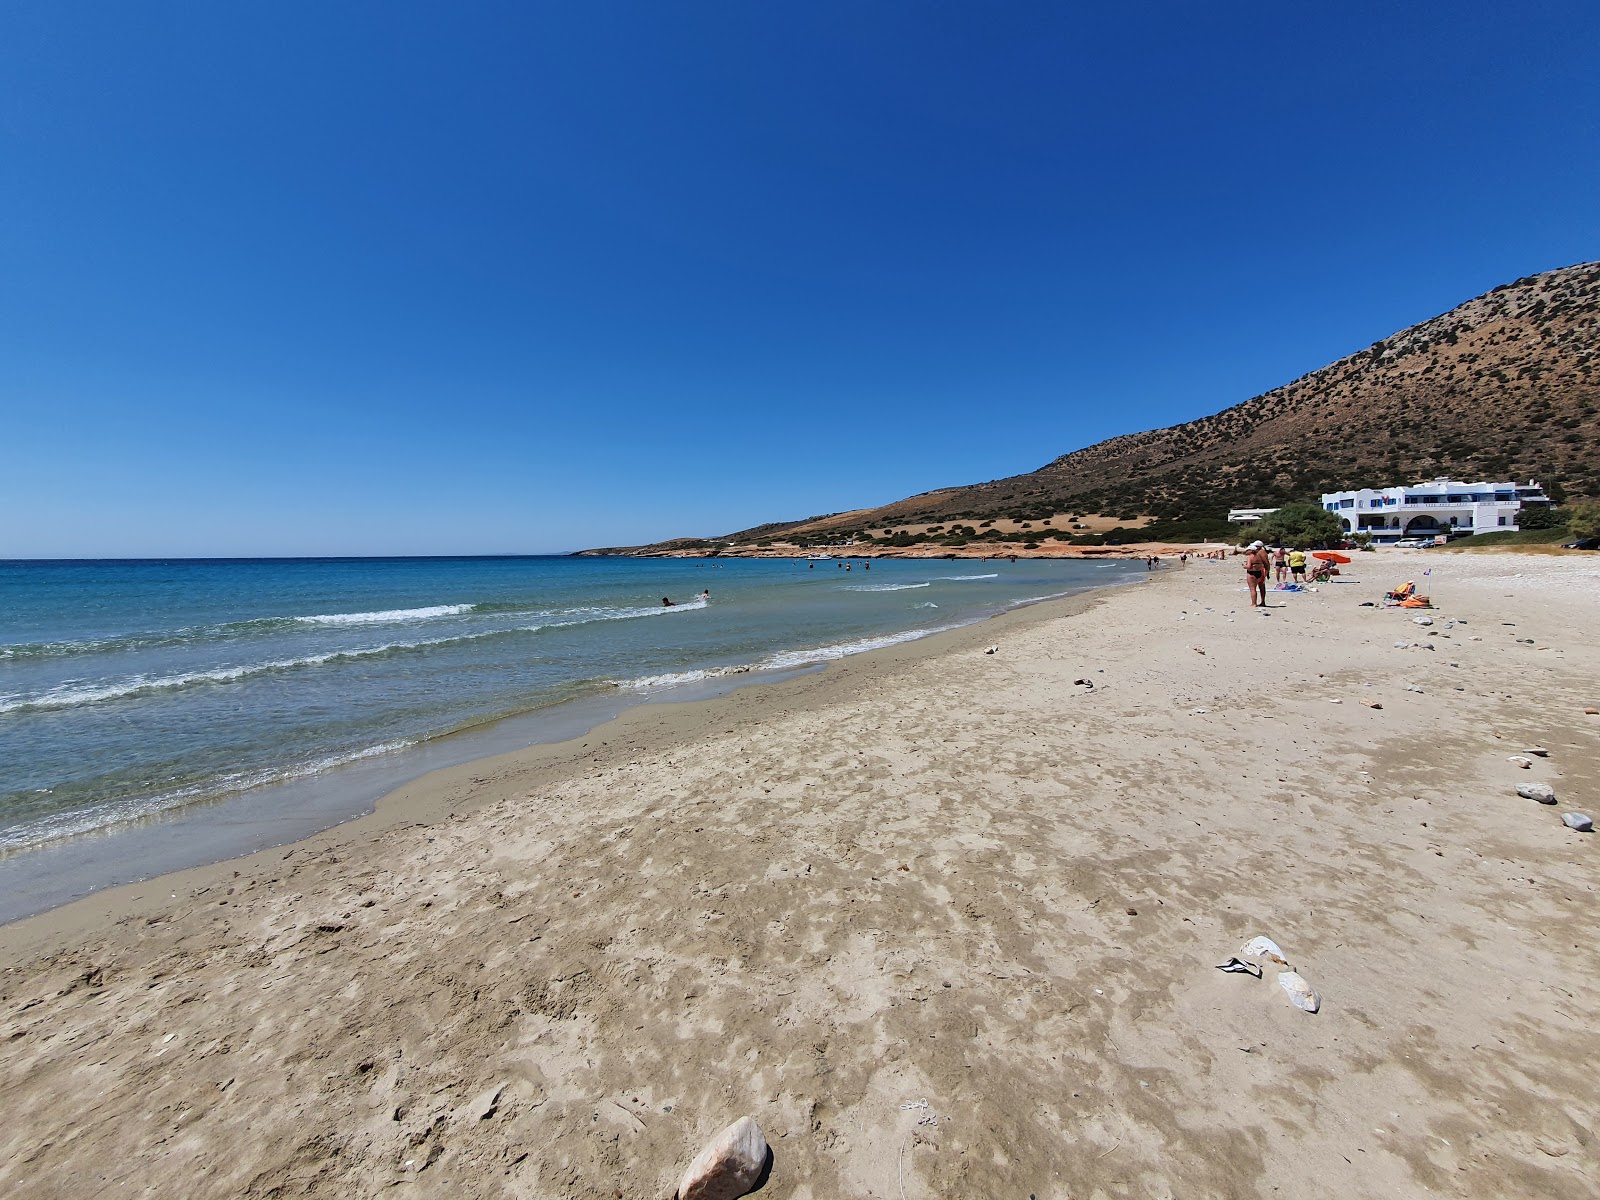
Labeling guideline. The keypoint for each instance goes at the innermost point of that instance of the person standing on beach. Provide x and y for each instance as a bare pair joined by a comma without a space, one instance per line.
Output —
1280,565
1255,572
1297,564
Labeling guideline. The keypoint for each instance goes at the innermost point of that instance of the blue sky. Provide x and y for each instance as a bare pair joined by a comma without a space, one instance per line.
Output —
294,278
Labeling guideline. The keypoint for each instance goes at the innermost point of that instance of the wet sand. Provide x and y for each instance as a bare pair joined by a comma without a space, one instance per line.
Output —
944,922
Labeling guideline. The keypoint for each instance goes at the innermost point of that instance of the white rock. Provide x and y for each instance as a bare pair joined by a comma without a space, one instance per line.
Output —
729,1166
1579,821
1422,620
1300,992
1542,792
1401,645
1517,760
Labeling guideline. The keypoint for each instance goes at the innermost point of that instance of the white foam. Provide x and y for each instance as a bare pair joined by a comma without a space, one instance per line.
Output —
991,575
881,587
389,616
74,694
800,658
648,683
118,812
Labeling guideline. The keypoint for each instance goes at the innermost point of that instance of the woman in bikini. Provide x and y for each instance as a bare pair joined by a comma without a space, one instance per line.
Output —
1255,573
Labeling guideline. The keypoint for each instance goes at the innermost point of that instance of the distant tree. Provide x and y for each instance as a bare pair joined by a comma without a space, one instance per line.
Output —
1299,525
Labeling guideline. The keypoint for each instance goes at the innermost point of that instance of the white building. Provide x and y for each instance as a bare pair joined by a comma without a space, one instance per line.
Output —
1440,506
1247,516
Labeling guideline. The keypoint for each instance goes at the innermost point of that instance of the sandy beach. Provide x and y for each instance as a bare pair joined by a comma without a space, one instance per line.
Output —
944,922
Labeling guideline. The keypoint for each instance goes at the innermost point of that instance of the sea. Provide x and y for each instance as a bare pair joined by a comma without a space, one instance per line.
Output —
156,714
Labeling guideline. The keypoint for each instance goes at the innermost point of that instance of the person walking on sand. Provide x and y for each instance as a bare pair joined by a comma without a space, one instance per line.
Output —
1280,565
1255,572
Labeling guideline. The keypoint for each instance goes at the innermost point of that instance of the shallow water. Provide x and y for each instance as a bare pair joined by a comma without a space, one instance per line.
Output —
131,689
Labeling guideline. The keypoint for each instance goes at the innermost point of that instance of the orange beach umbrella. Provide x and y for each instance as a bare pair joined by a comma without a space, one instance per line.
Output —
1330,556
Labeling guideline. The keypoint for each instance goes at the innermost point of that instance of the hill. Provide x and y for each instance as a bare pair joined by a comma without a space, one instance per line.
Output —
1504,386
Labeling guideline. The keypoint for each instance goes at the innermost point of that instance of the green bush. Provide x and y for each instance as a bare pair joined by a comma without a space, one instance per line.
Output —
1584,521
1541,516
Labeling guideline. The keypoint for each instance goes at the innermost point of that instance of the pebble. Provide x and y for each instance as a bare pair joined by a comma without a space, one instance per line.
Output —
1411,687
1542,792
1401,645
1518,760
1578,821
1422,620
729,1166
1539,750
1591,712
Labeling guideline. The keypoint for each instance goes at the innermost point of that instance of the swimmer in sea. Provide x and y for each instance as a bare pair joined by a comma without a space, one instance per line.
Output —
666,602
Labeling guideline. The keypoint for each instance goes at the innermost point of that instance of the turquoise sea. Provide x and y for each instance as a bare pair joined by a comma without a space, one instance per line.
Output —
134,691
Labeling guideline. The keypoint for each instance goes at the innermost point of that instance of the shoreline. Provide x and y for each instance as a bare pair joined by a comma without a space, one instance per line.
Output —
941,921
418,798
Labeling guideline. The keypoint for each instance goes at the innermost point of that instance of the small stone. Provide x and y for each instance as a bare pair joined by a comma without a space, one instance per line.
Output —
1422,620
729,1166
1538,750
1132,912
1517,760
1372,704
484,1105
1579,822
1591,712
1401,645
1542,792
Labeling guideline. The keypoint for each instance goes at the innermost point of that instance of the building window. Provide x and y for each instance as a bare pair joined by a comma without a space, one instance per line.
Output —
1502,520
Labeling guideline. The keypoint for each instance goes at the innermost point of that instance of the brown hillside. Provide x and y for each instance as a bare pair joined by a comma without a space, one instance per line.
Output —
1505,386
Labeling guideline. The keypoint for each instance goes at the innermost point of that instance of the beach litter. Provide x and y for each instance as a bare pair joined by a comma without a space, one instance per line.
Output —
1235,966
1300,992
1579,822
1518,760
1264,947
731,1164
1542,792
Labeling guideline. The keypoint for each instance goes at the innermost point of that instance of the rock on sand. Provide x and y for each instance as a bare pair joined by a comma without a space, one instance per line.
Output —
729,1166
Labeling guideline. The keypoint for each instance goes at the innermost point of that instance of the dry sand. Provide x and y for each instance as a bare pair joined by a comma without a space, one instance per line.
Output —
943,922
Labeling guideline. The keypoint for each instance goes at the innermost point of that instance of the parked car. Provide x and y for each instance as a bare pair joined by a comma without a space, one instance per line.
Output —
1414,543
1583,544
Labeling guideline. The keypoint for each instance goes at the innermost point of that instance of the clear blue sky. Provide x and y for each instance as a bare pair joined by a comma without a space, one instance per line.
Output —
283,278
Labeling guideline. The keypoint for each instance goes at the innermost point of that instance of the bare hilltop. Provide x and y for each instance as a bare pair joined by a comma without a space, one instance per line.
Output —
1506,385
